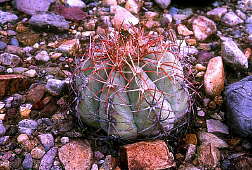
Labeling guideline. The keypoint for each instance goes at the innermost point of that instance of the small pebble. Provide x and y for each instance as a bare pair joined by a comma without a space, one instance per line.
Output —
64,140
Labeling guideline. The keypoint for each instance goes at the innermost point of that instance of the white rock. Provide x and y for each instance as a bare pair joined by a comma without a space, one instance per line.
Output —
30,73
76,3
132,6
163,3
217,13
231,19
42,56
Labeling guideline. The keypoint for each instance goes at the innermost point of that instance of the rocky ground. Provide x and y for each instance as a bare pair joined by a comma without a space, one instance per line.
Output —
39,43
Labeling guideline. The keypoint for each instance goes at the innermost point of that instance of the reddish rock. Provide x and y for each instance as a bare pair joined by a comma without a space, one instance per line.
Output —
147,155
214,77
76,155
36,94
208,156
28,38
12,83
203,27
71,13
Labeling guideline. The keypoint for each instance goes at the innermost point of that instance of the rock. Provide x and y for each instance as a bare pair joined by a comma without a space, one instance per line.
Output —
14,50
14,41
76,155
4,140
109,2
3,45
209,138
76,3
49,19
22,138
30,73
12,83
25,110
133,6
64,140
47,140
190,153
37,152
27,163
2,128
28,38
27,126
163,3
231,19
36,94
191,139
9,59
166,19
32,7
109,163
200,67
5,165
216,126
94,167
47,160
183,30
204,57
71,13
123,18
233,55
42,56
217,13
187,167
208,156
203,28
238,101
6,17
147,155
55,87
70,46
214,77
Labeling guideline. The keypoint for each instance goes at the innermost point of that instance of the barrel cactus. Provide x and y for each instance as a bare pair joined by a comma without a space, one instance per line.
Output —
131,85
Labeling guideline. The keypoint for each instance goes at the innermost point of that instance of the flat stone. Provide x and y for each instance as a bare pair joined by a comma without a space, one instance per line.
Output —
27,126
47,140
49,19
206,138
76,155
6,17
36,94
214,77
70,46
71,13
233,55
208,156
147,155
216,126
12,83
8,59
123,18
203,27
30,73
32,7
217,13
231,19
48,159
76,3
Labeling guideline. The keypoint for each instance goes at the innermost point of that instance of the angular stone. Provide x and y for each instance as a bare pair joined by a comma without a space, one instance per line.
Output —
216,126
147,155
27,163
76,155
48,159
31,7
183,30
217,13
7,17
47,140
76,3
54,86
133,6
42,56
36,94
49,19
163,3
203,27
70,46
38,152
71,13
233,55
14,50
231,19
206,138
123,18
27,126
214,77
12,83
9,59
208,156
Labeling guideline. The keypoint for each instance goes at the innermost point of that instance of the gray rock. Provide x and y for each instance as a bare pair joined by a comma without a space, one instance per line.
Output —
54,86
216,126
163,3
47,140
4,140
27,163
2,129
206,138
27,126
233,55
49,19
42,56
239,106
9,59
3,45
7,17
31,7
47,160
231,19
14,42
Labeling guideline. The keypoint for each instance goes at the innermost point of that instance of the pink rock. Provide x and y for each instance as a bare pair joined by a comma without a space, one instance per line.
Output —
203,27
147,155
71,13
208,156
